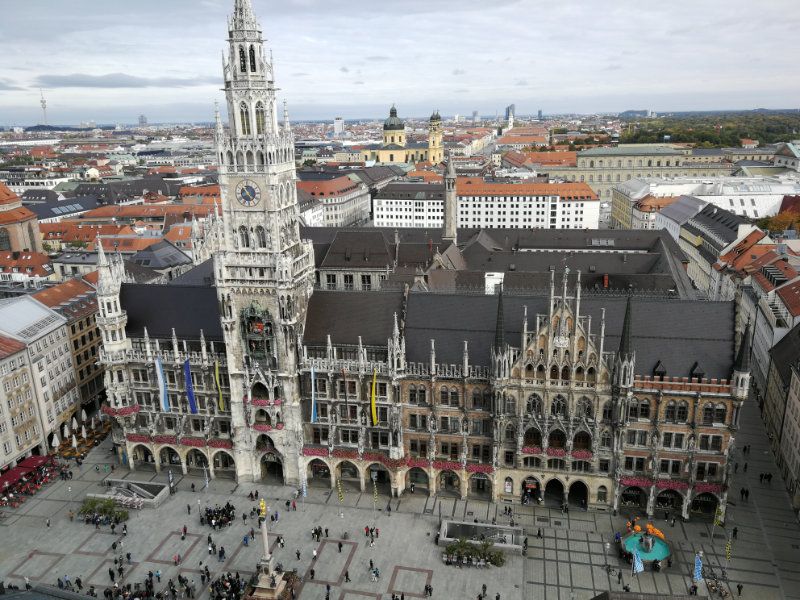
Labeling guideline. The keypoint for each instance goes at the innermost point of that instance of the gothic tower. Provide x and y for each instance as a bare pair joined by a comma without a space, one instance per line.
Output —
450,220
435,152
264,271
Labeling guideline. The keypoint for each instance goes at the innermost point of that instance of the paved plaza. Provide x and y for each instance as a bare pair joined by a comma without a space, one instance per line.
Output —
567,564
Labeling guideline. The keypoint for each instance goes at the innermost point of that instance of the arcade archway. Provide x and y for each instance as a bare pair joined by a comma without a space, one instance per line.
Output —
554,493
449,484
271,468
318,473
578,494
143,458
417,477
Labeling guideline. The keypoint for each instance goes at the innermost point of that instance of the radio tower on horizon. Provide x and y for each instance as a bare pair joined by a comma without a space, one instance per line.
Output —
43,102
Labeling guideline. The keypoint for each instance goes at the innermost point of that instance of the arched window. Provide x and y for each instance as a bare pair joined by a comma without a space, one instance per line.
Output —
558,407
534,405
244,237
509,436
602,494
242,60
244,117
477,401
453,397
607,411
584,408
644,409
252,59
720,412
5,239
682,412
421,394
487,399
605,440
261,119
708,413
669,412
261,237
444,394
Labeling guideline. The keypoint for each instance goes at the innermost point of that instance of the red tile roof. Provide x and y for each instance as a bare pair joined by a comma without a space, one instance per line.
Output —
9,346
328,187
26,263
66,293
790,294
16,215
474,186
7,196
790,204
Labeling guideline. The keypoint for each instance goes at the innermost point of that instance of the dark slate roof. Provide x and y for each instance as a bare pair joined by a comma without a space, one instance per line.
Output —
676,332
161,255
357,250
116,191
346,315
786,353
416,191
721,222
683,209
202,275
52,208
161,308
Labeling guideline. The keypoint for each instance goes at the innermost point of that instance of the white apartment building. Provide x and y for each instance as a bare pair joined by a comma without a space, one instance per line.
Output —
752,197
489,204
20,428
21,179
344,201
45,334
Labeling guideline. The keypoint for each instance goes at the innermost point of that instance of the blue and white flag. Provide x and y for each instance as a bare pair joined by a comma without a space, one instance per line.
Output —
698,568
313,396
638,565
171,478
187,377
162,385
304,488
205,476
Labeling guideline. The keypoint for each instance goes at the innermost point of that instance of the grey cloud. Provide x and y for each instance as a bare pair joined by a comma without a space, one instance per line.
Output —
344,69
521,83
613,68
461,91
377,58
358,83
458,71
299,74
8,86
119,80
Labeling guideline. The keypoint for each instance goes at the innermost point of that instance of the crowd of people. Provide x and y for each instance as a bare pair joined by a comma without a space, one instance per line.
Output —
218,516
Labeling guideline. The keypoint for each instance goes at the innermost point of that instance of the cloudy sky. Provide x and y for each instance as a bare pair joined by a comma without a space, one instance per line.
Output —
111,61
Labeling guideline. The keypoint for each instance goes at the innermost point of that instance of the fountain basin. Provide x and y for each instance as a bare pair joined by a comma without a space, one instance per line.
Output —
660,551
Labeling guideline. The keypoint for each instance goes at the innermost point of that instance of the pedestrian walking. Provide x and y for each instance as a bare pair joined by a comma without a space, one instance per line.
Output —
739,588
619,577
377,532
371,564
111,574
314,554
188,509
297,552
747,494
735,532
326,532
311,573
192,487
158,575
366,528
760,478
736,467
340,547
47,522
745,468
128,556
347,576
483,589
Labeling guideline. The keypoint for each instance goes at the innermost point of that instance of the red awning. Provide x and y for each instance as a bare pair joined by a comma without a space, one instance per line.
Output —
33,462
11,477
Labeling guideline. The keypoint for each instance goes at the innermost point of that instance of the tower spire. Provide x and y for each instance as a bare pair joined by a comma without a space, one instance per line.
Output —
500,326
450,221
625,345
286,125
742,363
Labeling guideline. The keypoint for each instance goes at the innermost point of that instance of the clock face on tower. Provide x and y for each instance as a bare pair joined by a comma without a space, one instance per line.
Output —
248,193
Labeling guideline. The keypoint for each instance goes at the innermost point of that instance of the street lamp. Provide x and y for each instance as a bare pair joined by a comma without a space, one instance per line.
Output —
606,548
375,493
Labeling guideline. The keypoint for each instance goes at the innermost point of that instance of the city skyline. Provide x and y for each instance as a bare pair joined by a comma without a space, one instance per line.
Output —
163,60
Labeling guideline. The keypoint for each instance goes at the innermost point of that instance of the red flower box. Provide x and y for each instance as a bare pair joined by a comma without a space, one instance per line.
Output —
278,401
582,454
122,411
422,463
642,482
672,484
556,452
478,468
193,442
137,437
262,427
261,402
227,444
531,450
344,453
165,439
309,451
701,487
447,465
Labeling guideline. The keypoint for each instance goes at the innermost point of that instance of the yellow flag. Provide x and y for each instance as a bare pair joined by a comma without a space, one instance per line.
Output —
262,506
219,387
372,400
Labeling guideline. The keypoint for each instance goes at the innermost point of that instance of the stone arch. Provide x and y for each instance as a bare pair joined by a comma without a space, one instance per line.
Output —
602,495
383,478
540,373
263,418
557,439
196,462
533,437
534,405
531,490
271,463
554,492
224,464
229,158
705,505
558,406
449,484
142,456
167,456
418,478
259,391
260,157
318,473
669,500
582,441
240,159
349,474
633,497
480,487
578,494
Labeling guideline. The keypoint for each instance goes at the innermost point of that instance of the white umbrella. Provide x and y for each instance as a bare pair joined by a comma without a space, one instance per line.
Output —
92,425
83,415
56,442
83,431
74,442
66,430
74,422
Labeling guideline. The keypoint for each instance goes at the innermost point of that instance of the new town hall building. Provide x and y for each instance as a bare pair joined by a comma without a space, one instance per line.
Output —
242,368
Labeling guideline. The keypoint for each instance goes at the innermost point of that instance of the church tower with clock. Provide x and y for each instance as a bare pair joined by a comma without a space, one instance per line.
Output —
264,272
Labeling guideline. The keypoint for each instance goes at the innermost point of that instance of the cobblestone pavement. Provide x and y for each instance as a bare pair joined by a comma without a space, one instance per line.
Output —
568,564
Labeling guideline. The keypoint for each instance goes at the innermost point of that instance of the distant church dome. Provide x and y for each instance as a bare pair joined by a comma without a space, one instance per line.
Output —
435,116
393,123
